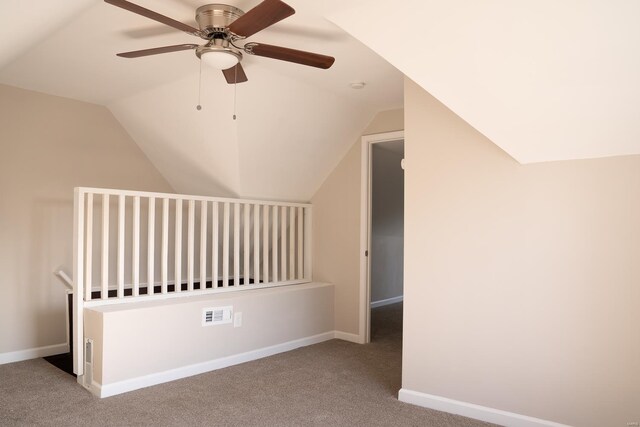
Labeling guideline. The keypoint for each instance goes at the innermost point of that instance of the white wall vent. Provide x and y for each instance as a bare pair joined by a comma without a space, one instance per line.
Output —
217,315
88,364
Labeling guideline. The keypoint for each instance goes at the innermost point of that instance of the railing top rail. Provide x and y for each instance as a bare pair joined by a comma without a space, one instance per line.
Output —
174,196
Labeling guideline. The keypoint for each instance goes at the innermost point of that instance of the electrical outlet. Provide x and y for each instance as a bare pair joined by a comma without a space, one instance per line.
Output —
237,319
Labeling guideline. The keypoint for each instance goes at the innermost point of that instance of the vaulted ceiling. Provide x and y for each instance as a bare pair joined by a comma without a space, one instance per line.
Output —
544,80
293,125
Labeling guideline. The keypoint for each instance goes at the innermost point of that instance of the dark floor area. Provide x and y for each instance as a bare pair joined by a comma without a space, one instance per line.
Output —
386,323
62,361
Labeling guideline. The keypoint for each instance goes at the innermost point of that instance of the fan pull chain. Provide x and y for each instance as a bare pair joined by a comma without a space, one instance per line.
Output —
235,91
199,107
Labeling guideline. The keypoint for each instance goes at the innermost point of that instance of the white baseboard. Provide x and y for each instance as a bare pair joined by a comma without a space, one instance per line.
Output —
33,353
106,390
387,301
471,410
345,336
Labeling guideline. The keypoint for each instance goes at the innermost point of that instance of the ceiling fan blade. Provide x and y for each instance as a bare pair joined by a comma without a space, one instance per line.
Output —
260,17
233,72
157,50
155,16
290,55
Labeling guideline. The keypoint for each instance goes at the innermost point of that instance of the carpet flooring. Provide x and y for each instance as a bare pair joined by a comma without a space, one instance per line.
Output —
335,383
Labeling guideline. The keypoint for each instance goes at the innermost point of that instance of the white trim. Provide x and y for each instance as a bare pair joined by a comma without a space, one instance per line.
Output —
471,410
106,390
363,329
33,353
173,196
345,336
365,225
387,301
78,282
64,277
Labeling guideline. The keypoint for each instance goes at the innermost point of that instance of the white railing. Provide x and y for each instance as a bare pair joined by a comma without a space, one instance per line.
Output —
131,246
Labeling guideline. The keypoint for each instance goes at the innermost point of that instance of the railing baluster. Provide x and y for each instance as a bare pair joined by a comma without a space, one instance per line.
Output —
283,244
300,220
104,289
88,249
256,244
236,244
78,279
274,244
307,243
178,248
214,244
225,246
265,244
246,229
282,232
120,276
190,244
292,243
135,261
164,261
203,245
151,230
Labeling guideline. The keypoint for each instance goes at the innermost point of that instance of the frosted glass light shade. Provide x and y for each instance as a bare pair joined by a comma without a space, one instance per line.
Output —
220,60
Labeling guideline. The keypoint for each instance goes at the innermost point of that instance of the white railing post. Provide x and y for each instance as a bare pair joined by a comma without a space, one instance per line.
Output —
265,244
177,287
203,244
283,244
292,243
104,286
214,244
256,244
88,258
246,228
164,259
236,244
151,235
120,259
300,248
135,251
274,245
190,243
308,231
225,246
78,284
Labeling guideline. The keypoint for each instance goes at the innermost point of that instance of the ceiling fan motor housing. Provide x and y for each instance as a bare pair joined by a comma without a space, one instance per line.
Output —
215,18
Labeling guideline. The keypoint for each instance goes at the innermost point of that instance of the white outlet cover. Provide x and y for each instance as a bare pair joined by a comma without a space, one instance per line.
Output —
237,319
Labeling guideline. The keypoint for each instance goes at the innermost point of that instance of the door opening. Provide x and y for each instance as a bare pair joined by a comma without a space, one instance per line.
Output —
382,235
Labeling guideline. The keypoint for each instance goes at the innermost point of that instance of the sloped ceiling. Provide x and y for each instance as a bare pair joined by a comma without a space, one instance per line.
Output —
544,80
293,124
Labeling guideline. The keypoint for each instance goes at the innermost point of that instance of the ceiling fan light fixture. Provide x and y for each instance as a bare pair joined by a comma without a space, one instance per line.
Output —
220,59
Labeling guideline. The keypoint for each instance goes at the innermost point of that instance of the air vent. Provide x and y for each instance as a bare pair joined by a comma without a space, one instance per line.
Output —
217,315
88,364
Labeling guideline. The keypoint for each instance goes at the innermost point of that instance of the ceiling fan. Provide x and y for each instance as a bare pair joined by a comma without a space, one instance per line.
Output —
222,26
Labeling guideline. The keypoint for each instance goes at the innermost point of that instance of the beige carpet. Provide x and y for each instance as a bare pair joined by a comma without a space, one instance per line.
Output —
334,383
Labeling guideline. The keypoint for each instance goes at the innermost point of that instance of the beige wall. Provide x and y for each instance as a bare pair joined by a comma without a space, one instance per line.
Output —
48,145
153,339
522,283
336,226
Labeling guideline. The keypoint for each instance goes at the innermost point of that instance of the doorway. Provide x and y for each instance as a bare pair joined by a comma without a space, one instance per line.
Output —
382,235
